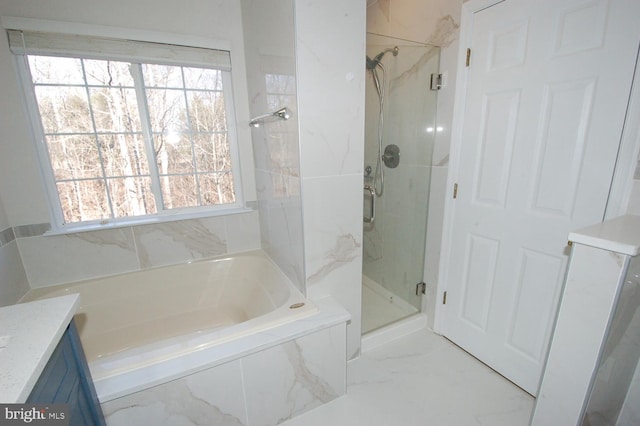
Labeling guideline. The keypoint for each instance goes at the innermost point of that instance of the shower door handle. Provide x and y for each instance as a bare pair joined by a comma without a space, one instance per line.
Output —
372,210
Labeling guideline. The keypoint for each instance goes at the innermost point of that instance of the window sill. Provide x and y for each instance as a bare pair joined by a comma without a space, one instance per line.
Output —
146,220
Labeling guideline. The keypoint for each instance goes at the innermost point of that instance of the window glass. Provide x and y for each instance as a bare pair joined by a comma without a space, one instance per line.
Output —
105,165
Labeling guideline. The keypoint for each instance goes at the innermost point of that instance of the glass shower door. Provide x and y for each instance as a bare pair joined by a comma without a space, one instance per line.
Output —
394,242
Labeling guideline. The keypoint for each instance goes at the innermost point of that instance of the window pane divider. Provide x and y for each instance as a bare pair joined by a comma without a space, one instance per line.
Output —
147,134
194,159
229,102
112,211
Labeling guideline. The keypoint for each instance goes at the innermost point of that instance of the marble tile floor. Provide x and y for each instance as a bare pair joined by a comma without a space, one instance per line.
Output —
422,379
378,311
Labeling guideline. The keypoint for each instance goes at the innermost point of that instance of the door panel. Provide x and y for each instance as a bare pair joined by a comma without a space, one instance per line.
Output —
564,119
546,95
533,268
499,117
479,273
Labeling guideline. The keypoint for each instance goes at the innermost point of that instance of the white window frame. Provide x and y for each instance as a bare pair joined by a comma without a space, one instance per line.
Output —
58,225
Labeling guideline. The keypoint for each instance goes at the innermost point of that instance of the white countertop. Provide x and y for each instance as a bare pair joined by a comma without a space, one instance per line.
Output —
620,235
29,333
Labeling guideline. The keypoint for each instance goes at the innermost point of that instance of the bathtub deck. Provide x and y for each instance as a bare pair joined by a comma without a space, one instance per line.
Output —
112,383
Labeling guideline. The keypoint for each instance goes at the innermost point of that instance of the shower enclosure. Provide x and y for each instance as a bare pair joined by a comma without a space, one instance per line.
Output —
398,150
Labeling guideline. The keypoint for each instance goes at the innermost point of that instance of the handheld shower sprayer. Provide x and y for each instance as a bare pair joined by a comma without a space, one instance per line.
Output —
373,63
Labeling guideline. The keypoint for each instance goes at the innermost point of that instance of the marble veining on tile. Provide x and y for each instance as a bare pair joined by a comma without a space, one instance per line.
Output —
347,248
110,237
383,7
177,405
432,22
193,400
416,67
57,259
318,387
445,32
301,375
422,379
444,162
281,228
306,390
175,242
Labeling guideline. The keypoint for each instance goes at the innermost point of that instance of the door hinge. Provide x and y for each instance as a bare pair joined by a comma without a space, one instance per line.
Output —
468,57
436,81
455,191
421,288
444,298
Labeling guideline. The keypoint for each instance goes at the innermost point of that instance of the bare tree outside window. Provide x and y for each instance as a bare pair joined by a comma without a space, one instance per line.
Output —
94,114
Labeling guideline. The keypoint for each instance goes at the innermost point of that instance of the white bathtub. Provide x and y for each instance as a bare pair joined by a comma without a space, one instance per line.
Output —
143,328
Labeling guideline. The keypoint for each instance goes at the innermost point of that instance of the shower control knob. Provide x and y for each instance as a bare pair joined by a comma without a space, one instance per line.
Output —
391,156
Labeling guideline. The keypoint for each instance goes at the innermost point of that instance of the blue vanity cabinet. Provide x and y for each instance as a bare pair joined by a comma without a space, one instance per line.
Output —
66,380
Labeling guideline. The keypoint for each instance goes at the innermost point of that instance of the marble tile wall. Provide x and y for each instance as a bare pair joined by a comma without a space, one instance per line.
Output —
265,388
55,259
13,278
271,77
330,72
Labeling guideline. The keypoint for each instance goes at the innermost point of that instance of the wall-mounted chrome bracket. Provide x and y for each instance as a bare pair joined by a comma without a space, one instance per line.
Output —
436,81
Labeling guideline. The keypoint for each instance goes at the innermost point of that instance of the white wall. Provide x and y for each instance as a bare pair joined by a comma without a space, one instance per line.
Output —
630,186
330,47
55,259
4,222
13,280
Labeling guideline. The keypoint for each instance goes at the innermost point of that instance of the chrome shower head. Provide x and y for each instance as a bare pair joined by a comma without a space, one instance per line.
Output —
373,63
282,113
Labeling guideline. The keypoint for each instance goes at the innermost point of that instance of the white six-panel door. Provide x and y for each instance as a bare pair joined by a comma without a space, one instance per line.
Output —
543,106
